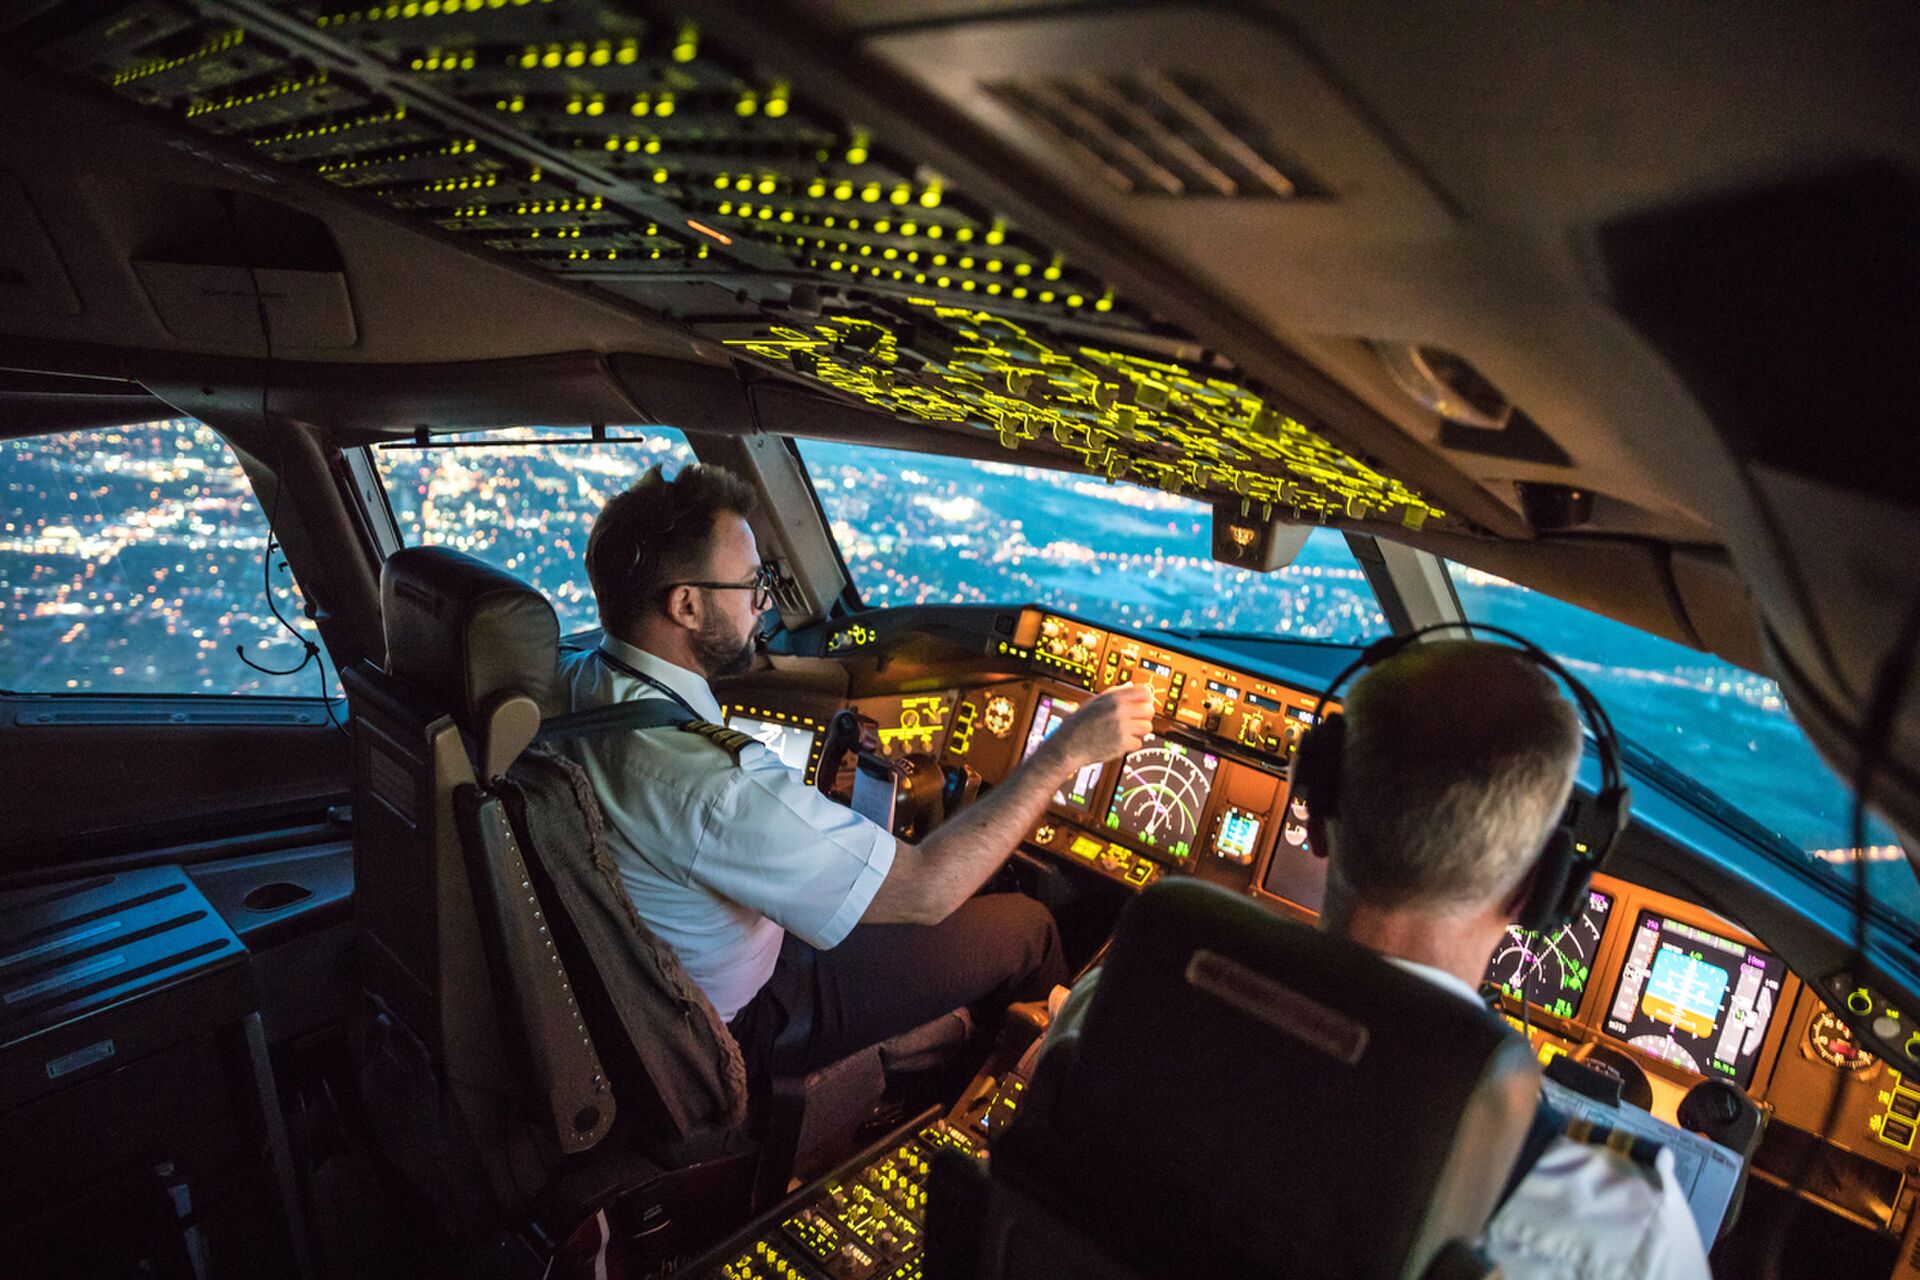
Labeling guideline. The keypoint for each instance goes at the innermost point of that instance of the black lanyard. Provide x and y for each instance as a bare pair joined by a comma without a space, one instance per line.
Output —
644,678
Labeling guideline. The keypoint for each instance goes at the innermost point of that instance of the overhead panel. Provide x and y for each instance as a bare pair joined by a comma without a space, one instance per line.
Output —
629,150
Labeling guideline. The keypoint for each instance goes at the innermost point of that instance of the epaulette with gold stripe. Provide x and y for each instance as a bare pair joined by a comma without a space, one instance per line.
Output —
731,741
1587,1133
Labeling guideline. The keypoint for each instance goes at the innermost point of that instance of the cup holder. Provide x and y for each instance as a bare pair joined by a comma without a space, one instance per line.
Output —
275,895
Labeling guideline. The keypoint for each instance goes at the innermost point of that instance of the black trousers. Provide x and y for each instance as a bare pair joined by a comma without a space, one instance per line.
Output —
883,979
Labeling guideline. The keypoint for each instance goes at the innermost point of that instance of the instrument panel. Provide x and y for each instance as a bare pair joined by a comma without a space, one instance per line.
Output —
1640,977
1206,794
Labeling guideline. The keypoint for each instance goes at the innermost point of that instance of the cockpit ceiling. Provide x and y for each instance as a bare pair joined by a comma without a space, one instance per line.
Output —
634,152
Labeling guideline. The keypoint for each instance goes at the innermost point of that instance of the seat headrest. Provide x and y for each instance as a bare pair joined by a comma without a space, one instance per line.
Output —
1254,1097
464,632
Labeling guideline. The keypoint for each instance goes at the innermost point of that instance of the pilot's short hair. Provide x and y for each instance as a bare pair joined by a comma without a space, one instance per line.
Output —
656,532
1458,760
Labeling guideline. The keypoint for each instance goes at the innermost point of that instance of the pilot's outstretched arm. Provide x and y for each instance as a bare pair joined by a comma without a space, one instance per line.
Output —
930,880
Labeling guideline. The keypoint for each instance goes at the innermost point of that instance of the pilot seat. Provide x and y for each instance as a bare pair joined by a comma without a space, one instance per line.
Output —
1246,1097
534,1056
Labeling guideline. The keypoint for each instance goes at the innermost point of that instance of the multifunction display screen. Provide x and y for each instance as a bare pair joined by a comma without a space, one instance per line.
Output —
1235,835
1295,873
1553,971
1695,999
1048,716
793,744
1161,794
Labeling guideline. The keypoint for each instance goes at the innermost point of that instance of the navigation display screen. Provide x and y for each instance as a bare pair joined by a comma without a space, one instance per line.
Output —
1695,999
1294,873
1161,794
793,744
1048,716
1554,971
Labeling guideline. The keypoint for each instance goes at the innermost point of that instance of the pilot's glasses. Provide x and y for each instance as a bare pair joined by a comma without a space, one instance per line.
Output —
764,580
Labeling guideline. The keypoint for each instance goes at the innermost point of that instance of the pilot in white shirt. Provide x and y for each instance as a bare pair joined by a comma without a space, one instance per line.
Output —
1582,1212
812,930
688,834
1456,762
1588,1212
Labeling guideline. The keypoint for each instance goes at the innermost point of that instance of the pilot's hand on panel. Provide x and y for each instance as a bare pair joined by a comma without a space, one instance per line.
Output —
1110,725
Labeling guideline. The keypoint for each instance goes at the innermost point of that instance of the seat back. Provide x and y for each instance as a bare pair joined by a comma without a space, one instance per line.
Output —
454,944
1247,1096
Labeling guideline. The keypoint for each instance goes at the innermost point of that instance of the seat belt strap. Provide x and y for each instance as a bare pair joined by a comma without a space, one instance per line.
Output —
1547,1125
647,713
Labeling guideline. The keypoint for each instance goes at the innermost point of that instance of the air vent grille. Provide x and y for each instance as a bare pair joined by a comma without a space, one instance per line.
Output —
1155,133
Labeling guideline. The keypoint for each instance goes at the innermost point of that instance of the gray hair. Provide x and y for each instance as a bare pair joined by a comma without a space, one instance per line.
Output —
1458,760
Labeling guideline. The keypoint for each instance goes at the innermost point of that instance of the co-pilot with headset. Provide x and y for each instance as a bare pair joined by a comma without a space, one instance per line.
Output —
1437,799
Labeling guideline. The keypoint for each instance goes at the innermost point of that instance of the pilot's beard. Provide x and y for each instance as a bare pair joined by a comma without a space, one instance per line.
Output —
720,651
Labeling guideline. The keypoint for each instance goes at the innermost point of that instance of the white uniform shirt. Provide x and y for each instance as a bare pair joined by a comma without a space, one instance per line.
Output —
1582,1213
719,858
1587,1213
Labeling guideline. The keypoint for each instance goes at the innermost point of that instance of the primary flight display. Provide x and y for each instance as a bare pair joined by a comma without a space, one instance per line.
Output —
1695,999
1052,712
791,742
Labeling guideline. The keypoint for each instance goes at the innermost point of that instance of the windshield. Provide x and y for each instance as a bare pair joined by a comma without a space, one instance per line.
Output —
525,502
1720,725
919,529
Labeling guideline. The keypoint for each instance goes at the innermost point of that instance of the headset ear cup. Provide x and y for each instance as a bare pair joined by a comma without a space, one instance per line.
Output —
1544,910
1316,767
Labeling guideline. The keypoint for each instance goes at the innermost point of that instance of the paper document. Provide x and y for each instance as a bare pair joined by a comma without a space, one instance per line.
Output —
1707,1171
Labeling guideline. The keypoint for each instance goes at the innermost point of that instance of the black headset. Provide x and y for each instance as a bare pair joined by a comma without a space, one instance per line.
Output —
1580,841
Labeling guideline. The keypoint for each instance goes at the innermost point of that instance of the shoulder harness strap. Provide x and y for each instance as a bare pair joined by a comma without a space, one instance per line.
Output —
1548,1124
647,713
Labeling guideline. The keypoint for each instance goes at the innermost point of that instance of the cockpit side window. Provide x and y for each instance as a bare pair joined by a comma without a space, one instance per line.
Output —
523,500
926,529
1716,724
135,559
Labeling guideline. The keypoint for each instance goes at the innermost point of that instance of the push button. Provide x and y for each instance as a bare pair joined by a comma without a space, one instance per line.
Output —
1905,1105
1897,1132
1860,1001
